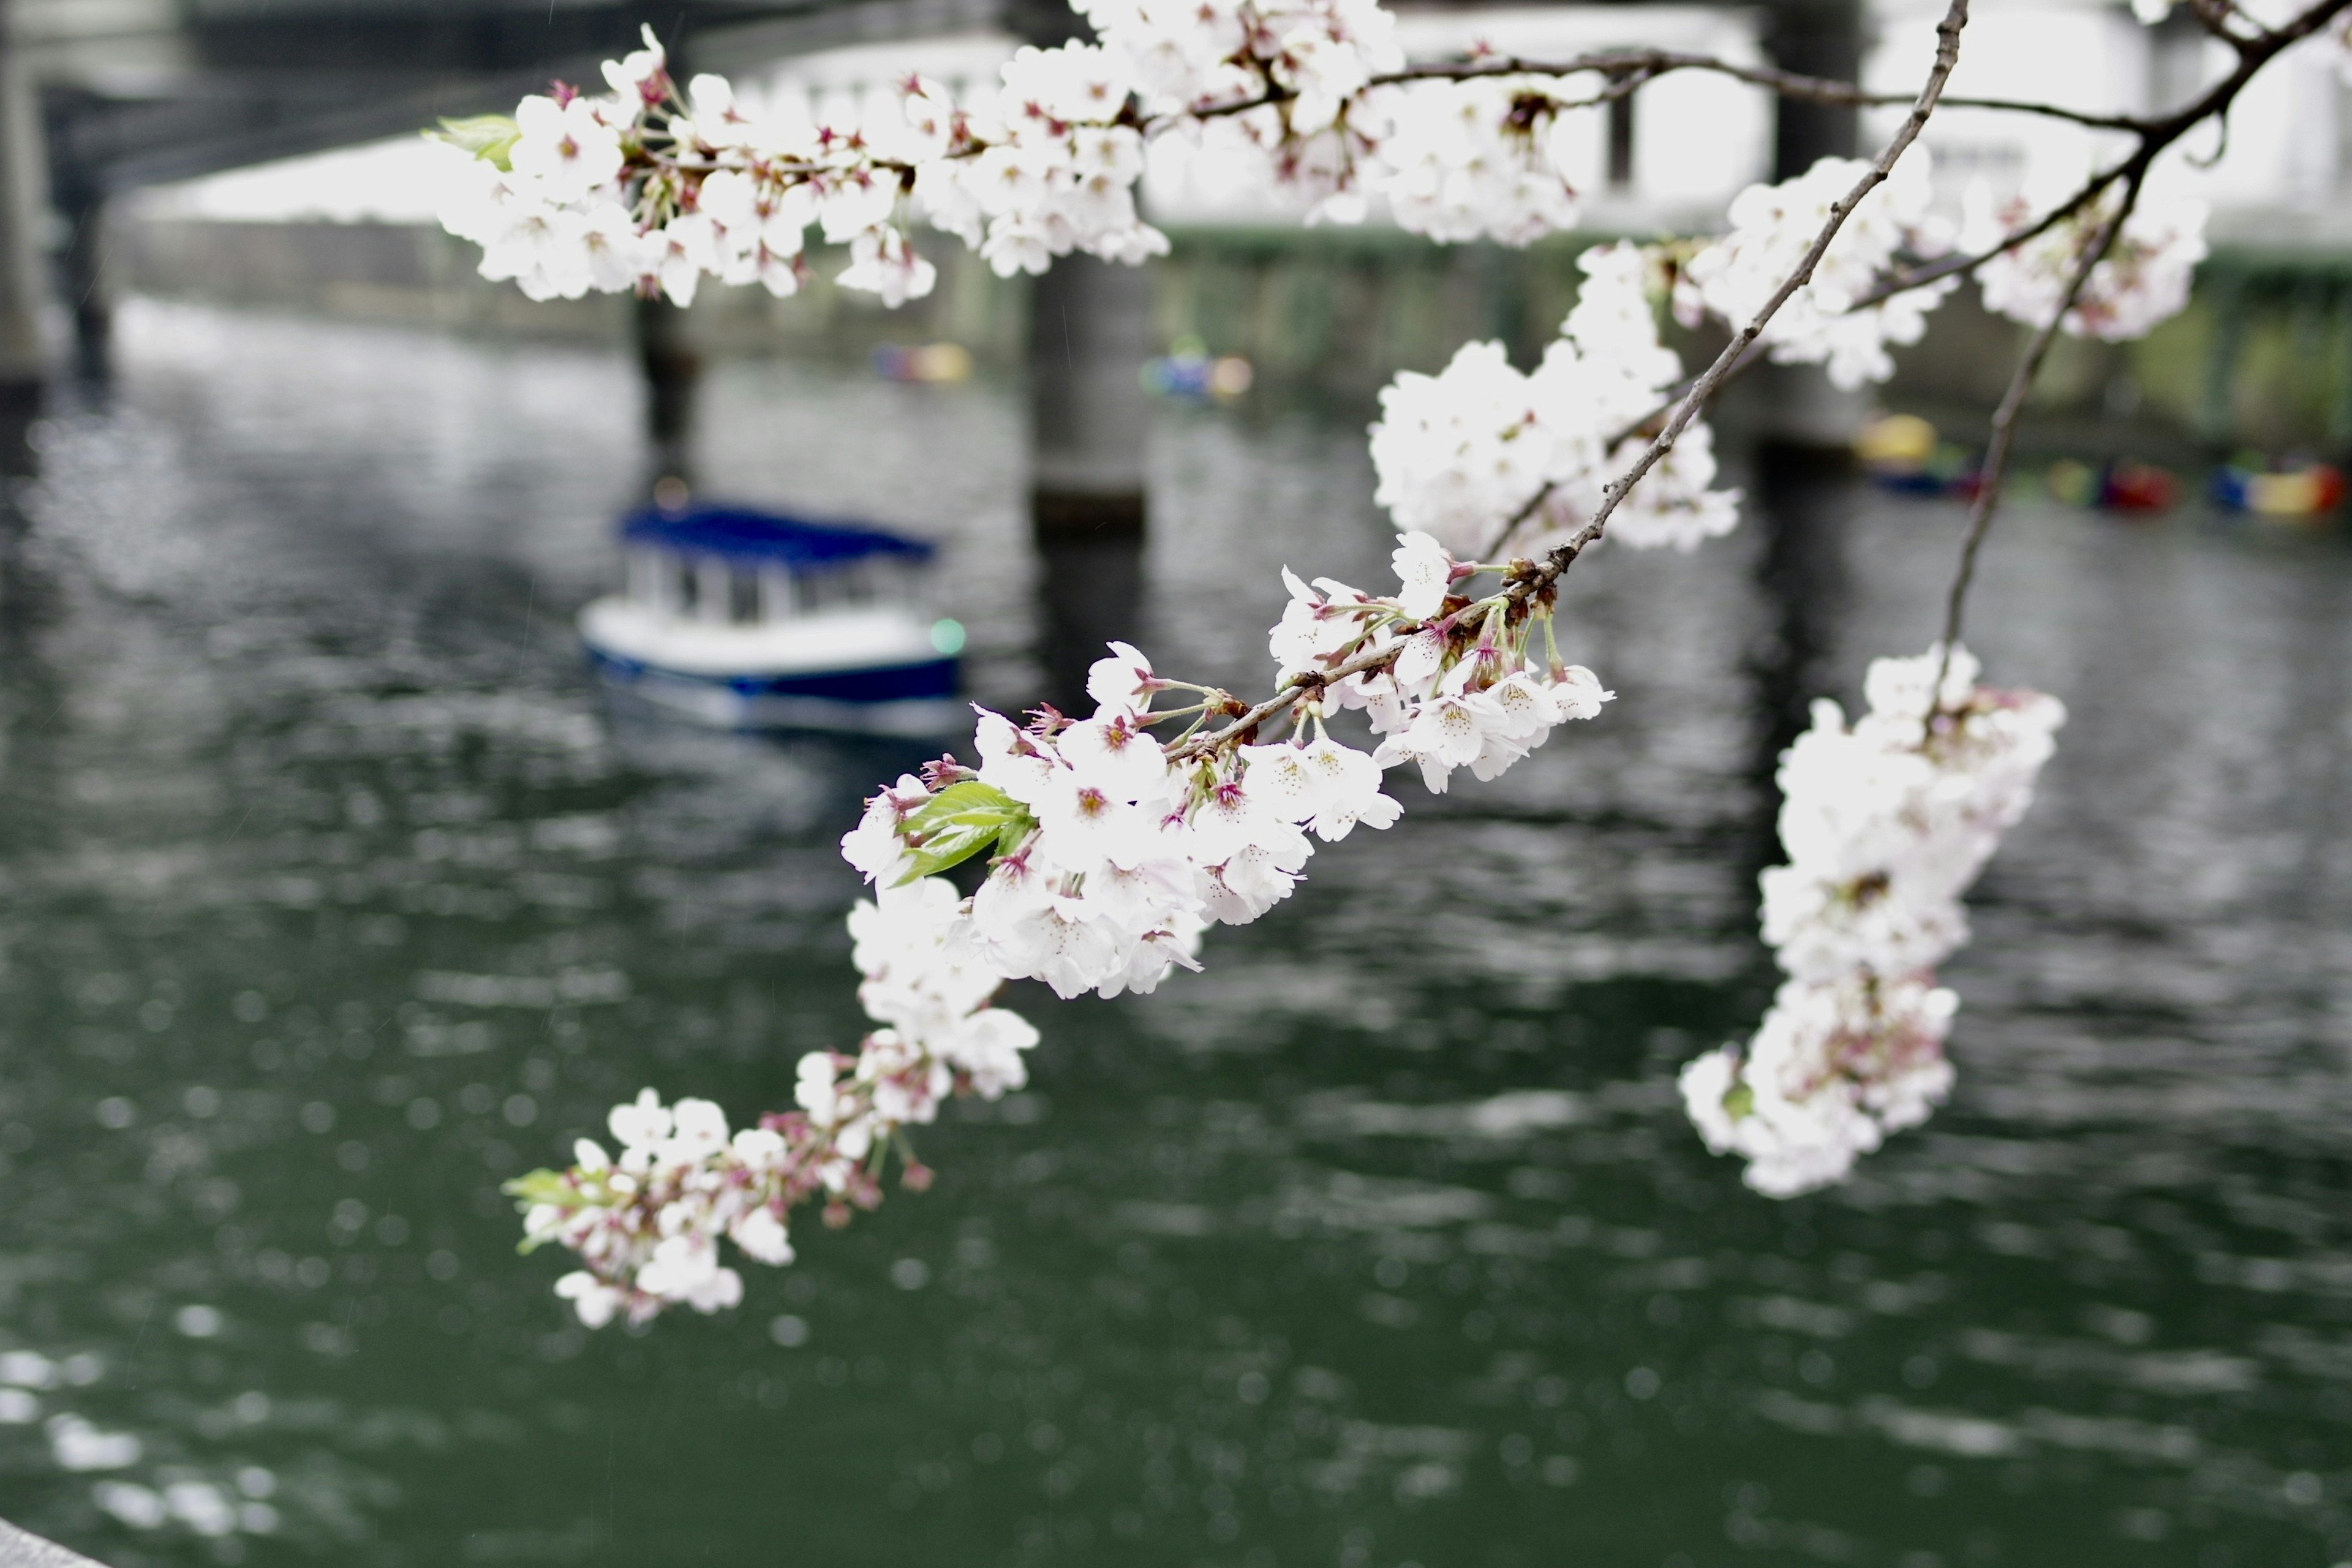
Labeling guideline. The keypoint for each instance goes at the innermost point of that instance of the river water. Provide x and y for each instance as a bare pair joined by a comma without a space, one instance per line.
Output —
336,894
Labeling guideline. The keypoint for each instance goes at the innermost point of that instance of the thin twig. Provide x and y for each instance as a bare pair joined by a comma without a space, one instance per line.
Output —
1654,63
1995,471
1960,266
1631,69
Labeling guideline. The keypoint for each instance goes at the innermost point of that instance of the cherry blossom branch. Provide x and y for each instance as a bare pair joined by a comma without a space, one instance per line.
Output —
1948,56
1109,851
2155,135
1292,692
1527,581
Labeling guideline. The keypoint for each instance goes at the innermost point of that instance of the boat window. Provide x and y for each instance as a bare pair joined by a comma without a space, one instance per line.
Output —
685,585
712,602
777,600
645,569
840,587
743,596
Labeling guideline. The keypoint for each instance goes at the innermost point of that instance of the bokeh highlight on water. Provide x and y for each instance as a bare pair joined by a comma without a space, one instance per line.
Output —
336,894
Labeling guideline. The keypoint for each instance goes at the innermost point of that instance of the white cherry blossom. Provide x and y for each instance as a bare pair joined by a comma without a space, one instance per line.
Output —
566,147
1471,160
1426,571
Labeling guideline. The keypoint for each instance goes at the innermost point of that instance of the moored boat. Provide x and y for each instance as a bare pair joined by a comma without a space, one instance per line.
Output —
754,620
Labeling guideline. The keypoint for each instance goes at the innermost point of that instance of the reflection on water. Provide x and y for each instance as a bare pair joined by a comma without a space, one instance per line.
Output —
335,894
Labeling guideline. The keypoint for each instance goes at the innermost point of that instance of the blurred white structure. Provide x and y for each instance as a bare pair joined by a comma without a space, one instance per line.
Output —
1689,141
2284,173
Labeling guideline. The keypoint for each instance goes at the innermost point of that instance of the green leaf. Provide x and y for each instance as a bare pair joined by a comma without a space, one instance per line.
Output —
543,1187
490,137
960,821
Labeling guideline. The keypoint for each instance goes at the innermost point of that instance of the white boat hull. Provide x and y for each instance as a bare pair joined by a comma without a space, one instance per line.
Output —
870,670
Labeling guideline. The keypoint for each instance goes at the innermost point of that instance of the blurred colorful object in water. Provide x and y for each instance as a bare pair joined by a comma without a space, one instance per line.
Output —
1901,452
1187,371
2120,484
930,363
2311,489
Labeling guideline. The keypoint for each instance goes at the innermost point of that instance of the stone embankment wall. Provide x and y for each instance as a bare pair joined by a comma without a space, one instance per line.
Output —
2261,359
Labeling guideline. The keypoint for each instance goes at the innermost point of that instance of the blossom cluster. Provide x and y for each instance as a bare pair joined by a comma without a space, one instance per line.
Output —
1885,823
2143,278
1114,849
1048,168
1298,96
1824,322
1473,160
1481,453
647,1223
1309,58
652,189
1262,88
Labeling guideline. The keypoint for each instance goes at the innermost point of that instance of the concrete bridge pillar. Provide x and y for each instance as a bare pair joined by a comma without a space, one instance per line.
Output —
1814,37
1802,491
1089,333
79,200
23,207
1090,330
672,374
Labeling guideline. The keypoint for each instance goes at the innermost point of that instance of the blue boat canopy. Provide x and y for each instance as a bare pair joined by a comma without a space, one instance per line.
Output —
738,534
